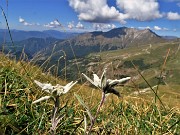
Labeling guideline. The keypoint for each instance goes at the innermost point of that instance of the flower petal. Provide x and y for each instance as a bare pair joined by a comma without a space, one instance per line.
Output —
39,84
45,86
69,86
97,81
103,79
59,89
115,82
41,99
91,81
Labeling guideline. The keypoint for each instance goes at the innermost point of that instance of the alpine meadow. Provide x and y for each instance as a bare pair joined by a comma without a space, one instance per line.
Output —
73,67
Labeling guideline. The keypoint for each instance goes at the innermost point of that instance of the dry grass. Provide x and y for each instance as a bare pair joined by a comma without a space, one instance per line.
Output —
126,115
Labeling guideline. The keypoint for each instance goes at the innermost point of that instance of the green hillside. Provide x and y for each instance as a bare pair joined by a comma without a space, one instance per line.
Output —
133,113
149,60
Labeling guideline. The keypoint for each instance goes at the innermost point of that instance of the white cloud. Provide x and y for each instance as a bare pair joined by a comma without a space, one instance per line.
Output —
23,21
103,26
96,11
53,24
71,25
165,29
113,26
27,24
80,25
100,12
49,25
142,10
147,27
157,28
173,16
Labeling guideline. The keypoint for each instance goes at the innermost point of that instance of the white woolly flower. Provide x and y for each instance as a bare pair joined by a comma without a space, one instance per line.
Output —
64,89
106,85
45,86
53,90
41,99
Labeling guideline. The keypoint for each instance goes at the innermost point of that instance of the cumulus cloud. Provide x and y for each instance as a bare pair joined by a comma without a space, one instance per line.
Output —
96,11
147,27
103,26
80,25
24,22
113,26
27,24
157,28
165,29
173,16
101,12
21,20
53,24
49,25
141,10
71,25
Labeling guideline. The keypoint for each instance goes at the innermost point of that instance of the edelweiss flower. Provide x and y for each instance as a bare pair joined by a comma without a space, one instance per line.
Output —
106,85
53,90
45,86
64,89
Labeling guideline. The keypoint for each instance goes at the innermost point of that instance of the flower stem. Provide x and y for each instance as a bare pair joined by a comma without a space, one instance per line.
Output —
54,115
97,112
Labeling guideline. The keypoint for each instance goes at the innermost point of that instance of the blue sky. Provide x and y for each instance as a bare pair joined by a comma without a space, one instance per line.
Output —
161,16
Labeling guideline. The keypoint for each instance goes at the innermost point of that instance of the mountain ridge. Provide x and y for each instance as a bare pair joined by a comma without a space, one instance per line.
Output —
19,35
114,39
98,41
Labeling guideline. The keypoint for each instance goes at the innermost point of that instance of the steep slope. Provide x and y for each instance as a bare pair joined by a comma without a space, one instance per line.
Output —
98,41
30,46
19,116
18,35
118,38
148,59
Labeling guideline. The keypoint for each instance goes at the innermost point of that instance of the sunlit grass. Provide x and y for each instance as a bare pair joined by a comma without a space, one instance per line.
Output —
126,115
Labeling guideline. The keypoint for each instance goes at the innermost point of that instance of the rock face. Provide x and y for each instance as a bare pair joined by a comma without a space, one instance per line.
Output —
98,41
118,38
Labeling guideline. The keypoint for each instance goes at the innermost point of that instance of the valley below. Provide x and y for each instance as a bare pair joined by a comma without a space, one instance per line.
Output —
152,62
122,51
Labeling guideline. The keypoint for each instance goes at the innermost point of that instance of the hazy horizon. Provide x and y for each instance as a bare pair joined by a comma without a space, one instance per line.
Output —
162,17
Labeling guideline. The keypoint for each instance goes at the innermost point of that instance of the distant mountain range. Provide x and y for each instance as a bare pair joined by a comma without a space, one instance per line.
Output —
98,41
30,46
19,35
52,45
76,44
77,50
169,37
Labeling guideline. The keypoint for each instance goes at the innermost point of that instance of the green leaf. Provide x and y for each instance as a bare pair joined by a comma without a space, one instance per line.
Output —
84,105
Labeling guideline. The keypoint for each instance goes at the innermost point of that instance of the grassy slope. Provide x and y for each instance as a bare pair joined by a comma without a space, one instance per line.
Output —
148,60
128,115
155,60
